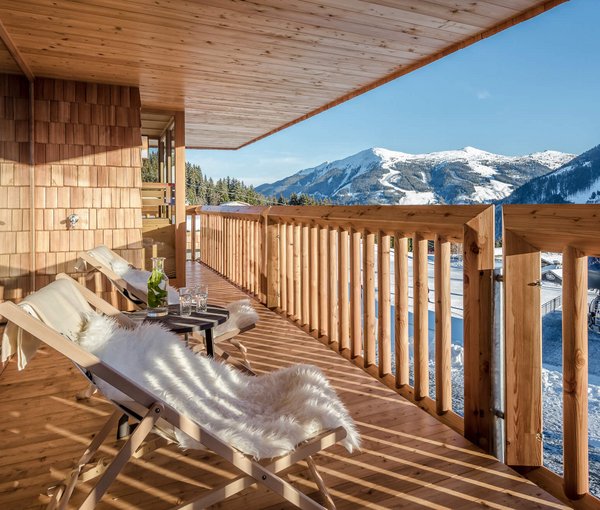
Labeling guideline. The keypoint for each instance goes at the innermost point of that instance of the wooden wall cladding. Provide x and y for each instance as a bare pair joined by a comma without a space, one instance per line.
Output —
15,217
87,162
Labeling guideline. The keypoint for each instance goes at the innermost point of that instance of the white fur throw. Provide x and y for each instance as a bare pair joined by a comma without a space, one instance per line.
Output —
263,416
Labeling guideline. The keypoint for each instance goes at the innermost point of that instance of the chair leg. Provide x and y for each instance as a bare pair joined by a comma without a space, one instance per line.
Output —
63,492
127,451
312,467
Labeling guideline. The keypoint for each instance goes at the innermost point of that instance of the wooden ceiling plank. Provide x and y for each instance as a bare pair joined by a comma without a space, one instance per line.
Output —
204,33
203,61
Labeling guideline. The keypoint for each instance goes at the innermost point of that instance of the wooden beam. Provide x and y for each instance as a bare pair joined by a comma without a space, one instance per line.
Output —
478,248
15,53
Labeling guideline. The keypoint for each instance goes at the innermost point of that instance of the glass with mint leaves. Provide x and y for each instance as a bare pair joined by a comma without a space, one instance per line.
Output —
157,289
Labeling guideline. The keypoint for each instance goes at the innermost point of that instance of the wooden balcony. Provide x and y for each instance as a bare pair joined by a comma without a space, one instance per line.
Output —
409,459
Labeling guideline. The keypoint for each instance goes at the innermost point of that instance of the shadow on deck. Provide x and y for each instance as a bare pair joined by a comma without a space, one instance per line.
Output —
408,459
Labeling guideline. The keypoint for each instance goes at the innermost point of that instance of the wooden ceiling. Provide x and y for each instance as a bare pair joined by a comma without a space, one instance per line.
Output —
245,69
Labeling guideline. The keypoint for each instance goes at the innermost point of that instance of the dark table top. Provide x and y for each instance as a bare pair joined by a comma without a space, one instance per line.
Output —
198,321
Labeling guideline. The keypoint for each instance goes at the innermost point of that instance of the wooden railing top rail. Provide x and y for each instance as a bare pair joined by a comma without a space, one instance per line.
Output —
427,220
233,210
551,227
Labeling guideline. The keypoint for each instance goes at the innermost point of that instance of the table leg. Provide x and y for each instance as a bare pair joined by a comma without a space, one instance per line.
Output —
209,342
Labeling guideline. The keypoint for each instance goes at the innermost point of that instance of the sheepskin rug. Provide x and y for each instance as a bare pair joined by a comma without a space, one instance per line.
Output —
264,416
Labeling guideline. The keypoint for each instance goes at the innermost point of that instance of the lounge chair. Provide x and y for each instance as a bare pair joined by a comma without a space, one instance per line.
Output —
131,284
61,316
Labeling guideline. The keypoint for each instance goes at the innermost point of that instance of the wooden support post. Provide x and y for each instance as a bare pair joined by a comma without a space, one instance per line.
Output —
443,327
575,373
369,298
333,286
478,320
523,341
343,250
355,295
180,217
384,307
421,316
401,311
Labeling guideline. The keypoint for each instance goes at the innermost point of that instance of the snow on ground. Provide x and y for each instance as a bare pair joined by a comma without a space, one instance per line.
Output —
551,371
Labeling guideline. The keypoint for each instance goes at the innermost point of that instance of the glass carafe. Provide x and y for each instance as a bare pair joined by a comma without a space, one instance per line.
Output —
157,289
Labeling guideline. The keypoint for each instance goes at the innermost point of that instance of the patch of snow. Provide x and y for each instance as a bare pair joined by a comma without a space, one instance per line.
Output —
417,198
481,169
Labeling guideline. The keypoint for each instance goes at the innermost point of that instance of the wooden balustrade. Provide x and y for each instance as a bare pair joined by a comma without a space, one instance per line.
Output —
573,230
330,270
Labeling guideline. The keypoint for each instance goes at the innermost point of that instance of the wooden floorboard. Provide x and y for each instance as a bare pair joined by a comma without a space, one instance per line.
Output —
408,459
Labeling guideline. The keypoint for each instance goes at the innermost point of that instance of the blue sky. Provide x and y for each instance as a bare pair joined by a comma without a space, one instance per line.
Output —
533,87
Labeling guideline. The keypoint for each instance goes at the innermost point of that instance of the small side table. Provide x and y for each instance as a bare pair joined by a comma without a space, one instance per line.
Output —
197,321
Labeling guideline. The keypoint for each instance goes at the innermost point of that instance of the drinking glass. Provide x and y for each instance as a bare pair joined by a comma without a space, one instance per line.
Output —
185,302
201,298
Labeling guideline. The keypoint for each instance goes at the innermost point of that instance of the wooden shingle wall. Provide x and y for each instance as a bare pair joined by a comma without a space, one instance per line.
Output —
87,162
15,218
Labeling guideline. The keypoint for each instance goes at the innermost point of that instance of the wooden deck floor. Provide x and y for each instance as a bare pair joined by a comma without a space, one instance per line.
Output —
408,459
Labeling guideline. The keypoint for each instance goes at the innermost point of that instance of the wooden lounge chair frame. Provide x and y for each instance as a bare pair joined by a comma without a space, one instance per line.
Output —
139,300
263,472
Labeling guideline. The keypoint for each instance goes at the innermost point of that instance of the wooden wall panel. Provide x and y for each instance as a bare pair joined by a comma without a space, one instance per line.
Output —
15,217
87,162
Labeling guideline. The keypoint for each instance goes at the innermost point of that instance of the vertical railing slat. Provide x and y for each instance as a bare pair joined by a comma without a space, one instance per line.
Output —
355,295
421,317
305,276
369,297
297,273
443,355
333,286
401,309
343,250
283,266
314,278
323,282
383,322
289,259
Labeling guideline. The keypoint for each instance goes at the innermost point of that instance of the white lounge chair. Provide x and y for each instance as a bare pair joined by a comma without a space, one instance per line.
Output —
61,316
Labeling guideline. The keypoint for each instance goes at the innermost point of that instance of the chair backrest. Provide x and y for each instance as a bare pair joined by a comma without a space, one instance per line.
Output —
61,306
110,259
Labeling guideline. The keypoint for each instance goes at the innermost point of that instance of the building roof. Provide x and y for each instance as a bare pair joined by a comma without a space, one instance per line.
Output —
243,70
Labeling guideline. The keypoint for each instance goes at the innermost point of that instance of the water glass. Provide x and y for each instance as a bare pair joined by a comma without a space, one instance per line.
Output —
185,302
201,298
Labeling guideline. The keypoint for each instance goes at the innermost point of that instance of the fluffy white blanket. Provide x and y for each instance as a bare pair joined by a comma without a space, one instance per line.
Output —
263,416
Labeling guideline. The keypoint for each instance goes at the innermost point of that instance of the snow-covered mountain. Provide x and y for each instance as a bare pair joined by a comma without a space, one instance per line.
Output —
382,176
577,182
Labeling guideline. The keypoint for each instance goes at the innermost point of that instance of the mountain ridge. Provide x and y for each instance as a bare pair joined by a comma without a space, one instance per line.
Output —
381,176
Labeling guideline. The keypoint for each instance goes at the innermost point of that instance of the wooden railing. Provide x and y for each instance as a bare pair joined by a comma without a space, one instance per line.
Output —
318,266
573,230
